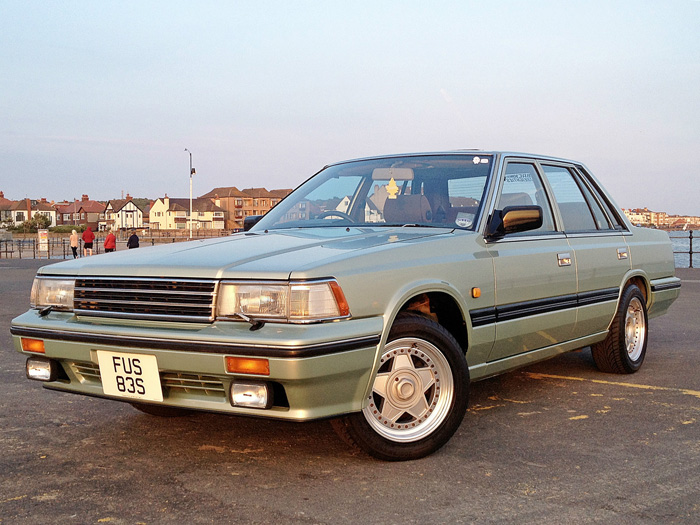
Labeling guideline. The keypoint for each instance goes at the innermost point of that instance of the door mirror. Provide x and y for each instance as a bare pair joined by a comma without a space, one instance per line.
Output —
514,219
250,221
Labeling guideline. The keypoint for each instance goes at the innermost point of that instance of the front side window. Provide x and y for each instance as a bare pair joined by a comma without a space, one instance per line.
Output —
522,187
443,191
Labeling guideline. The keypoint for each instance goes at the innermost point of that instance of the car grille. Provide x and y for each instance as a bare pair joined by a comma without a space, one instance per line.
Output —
158,299
193,384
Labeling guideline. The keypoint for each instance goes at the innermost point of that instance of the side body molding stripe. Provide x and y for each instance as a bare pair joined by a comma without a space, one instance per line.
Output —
510,312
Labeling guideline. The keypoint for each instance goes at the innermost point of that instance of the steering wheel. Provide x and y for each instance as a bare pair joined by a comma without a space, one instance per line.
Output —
330,213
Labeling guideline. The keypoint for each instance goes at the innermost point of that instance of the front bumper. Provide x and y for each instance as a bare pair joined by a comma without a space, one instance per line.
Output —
317,370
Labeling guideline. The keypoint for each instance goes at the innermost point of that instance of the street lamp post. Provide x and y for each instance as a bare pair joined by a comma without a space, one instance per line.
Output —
192,172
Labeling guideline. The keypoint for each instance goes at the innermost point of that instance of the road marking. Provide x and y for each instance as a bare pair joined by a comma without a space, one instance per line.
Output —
695,393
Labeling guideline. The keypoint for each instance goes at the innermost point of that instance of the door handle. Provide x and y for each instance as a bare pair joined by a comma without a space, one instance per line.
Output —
564,259
622,254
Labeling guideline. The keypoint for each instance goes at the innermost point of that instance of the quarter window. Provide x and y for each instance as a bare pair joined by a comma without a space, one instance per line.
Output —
613,216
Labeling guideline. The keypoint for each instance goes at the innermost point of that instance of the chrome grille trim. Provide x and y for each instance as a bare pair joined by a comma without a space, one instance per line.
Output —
193,383
189,300
87,371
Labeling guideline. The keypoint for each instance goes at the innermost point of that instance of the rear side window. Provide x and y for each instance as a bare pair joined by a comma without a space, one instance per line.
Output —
579,211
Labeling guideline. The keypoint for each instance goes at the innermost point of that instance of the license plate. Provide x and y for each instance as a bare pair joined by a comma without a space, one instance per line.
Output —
130,375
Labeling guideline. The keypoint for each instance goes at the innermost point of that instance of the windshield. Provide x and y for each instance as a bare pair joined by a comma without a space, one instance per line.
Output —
443,191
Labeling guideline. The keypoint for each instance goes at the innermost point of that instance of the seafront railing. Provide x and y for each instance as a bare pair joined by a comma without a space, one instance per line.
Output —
683,248
59,248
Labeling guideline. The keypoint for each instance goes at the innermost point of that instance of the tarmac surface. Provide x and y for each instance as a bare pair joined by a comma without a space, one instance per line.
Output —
555,442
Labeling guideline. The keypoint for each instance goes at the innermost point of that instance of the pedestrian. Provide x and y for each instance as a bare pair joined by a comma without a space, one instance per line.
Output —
88,239
133,241
74,239
110,242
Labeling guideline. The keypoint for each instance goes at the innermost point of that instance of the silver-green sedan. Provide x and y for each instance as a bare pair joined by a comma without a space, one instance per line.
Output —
372,296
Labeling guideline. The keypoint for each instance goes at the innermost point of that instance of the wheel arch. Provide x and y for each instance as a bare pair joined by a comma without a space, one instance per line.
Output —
438,301
640,279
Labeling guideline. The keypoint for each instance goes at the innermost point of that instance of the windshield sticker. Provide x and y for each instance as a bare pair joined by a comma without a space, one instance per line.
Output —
519,177
464,220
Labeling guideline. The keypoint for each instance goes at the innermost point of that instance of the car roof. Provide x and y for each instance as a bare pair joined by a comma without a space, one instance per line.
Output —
460,152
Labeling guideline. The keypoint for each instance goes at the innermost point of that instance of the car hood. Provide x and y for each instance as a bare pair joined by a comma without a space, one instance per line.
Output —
278,254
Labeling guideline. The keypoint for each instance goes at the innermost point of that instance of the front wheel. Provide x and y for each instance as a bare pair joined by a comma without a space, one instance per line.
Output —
419,395
623,350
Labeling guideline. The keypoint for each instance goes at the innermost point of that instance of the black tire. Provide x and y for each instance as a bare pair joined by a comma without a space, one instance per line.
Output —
161,411
420,394
623,350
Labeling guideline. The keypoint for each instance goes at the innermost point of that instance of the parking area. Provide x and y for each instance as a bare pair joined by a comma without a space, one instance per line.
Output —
554,442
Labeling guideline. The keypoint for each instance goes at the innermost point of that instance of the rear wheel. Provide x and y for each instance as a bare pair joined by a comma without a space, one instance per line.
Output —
419,395
623,350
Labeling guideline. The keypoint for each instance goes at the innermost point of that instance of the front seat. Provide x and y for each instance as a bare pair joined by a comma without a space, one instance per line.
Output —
407,209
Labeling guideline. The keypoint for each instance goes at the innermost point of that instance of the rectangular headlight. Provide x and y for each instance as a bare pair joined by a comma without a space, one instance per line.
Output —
51,291
289,302
257,300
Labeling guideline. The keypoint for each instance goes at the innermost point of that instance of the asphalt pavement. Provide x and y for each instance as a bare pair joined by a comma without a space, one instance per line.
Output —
552,443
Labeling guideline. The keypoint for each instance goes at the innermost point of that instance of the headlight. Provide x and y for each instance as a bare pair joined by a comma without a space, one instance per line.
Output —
289,302
50,291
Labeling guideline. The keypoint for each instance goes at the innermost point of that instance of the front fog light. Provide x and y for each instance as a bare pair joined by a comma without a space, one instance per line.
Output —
41,369
251,395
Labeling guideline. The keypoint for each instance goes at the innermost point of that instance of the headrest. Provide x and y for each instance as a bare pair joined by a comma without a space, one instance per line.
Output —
407,209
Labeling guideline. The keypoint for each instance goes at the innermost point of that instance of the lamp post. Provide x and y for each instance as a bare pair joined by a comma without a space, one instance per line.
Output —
192,172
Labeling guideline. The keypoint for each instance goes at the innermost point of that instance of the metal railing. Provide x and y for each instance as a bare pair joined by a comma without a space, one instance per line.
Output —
679,238
59,247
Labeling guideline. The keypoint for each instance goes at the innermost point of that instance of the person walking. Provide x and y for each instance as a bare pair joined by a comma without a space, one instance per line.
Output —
133,241
110,242
88,239
74,240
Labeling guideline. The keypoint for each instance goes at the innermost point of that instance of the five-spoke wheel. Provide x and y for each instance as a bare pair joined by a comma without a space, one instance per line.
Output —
419,395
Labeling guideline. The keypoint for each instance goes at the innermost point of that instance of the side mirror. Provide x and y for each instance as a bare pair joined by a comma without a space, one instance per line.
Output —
514,219
250,221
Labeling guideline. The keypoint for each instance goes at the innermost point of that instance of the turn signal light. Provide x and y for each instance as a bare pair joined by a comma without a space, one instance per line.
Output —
247,365
33,345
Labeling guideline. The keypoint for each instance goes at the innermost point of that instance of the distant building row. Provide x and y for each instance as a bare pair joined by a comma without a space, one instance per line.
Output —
222,208
661,220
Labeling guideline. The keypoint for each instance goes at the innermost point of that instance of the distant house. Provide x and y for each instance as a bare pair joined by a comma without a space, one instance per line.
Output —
174,214
26,209
84,212
5,210
124,214
239,204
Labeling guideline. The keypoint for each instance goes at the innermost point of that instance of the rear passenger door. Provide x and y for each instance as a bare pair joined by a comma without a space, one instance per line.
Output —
596,237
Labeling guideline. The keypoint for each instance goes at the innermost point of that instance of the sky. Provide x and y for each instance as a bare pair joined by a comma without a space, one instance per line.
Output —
102,98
